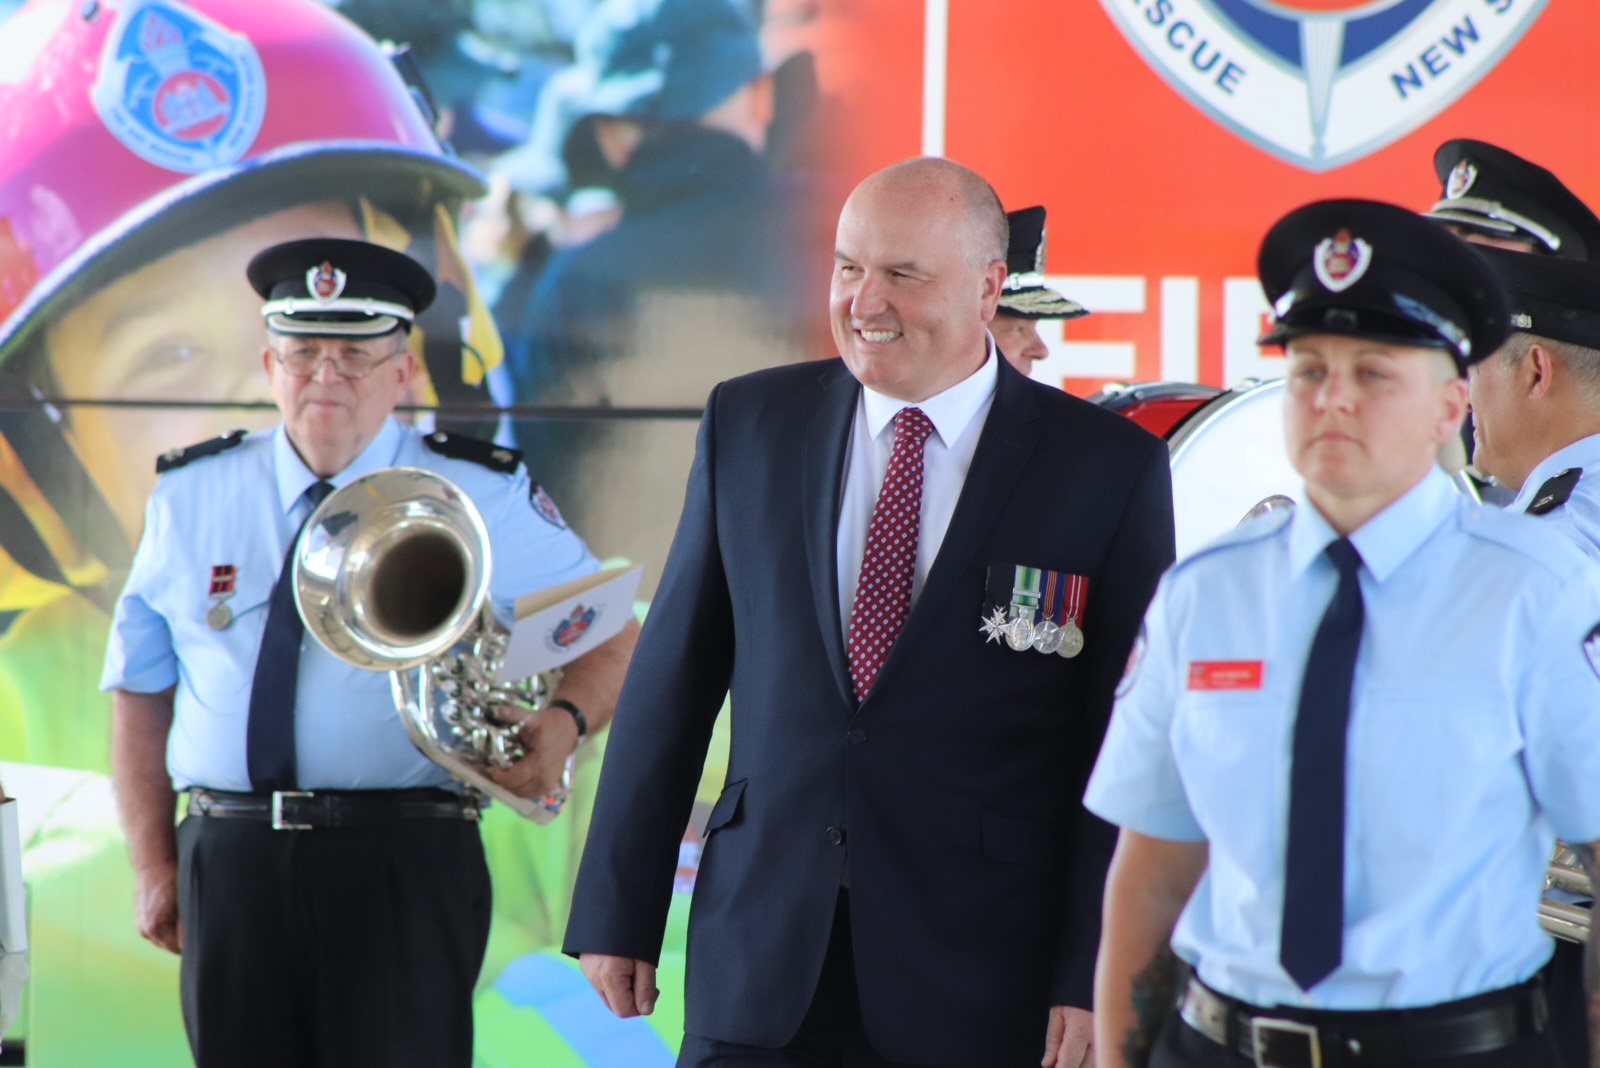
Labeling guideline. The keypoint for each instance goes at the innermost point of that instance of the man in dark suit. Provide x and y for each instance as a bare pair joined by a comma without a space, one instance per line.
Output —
899,870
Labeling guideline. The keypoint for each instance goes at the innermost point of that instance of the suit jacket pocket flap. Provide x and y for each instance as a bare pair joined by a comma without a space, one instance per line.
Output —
1019,840
726,810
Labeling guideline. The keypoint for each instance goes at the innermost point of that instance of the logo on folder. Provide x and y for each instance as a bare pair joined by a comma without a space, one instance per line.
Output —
1320,83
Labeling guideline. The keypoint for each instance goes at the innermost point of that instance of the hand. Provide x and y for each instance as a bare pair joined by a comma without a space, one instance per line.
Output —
155,907
1069,1039
549,735
628,987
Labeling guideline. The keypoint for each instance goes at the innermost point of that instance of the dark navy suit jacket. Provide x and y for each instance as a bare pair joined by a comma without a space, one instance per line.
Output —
955,785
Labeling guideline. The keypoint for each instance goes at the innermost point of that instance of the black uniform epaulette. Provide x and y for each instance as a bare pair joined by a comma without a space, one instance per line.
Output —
176,458
1554,493
460,447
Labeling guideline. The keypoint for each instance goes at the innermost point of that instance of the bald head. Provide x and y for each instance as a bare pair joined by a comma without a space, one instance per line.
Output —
936,184
918,268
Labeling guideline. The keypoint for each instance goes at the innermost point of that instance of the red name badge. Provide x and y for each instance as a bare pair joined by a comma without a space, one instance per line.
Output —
1224,674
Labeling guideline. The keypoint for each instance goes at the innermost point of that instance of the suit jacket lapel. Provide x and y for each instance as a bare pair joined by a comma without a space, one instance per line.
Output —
822,452
1007,441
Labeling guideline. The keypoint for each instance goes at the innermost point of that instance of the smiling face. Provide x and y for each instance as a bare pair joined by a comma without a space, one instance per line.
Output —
330,417
912,288
1363,420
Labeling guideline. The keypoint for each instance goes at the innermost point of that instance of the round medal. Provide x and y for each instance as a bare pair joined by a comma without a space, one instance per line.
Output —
1071,640
1019,633
1047,637
218,616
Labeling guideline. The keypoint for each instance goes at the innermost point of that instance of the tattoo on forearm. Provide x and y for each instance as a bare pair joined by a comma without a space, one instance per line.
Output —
1591,956
1153,994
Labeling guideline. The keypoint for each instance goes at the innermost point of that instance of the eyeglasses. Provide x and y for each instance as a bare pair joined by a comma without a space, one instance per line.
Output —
302,364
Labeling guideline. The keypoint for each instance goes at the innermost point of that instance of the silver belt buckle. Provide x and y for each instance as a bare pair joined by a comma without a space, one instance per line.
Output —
278,823
1262,1025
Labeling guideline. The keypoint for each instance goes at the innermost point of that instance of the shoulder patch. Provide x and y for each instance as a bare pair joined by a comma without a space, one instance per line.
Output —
1554,493
474,450
545,505
173,459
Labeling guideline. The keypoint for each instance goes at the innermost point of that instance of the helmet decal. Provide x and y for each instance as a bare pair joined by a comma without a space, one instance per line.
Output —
178,89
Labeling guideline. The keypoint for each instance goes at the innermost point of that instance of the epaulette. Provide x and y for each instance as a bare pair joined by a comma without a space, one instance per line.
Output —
173,459
1252,529
1555,491
474,450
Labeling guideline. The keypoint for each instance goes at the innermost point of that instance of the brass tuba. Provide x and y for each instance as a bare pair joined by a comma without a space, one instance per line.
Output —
391,573
1562,918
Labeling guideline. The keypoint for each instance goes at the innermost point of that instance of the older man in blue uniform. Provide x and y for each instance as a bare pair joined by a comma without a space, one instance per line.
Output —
1354,730
327,891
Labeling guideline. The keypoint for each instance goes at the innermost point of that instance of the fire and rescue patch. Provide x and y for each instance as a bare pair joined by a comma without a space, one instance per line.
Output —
1340,261
1322,82
178,89
1130,674
545,505
573,628
1591,648
325,282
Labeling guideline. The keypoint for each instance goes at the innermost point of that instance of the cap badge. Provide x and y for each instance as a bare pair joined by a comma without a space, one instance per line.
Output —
1462,175
325,282
1341,260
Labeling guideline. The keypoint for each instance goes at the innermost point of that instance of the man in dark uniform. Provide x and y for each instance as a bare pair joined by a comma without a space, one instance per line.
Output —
1026,300
327,890
1490,196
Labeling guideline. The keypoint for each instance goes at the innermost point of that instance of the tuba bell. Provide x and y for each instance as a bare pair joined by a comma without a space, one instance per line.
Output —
391,573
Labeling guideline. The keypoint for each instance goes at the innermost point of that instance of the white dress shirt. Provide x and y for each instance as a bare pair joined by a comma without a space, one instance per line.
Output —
957,415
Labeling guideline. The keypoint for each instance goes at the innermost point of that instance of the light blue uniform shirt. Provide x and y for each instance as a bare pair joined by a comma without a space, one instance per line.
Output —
1473,732
242,507
1579,518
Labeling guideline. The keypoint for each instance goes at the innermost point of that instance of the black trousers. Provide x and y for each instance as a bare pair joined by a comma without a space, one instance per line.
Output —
1181,1046
1569,1005
831,1034
331,948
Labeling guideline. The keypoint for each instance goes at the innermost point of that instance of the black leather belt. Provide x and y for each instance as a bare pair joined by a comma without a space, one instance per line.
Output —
1293,1038
311,810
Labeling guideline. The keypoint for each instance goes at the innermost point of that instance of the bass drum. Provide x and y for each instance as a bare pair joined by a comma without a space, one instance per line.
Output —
1228,456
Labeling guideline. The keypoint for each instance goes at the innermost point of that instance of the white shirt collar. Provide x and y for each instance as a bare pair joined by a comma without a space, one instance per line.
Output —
949,411
294,477
1385,540
1583,453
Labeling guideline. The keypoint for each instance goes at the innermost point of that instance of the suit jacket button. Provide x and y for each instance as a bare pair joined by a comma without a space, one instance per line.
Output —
836,836
856,737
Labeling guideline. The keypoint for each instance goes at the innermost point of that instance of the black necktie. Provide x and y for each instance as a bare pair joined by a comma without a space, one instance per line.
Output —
269,738
1312,936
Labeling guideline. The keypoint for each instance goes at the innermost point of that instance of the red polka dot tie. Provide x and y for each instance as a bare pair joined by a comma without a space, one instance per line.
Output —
883,595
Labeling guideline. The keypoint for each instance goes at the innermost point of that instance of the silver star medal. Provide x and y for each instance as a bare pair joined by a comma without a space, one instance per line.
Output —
993,627
1047,637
